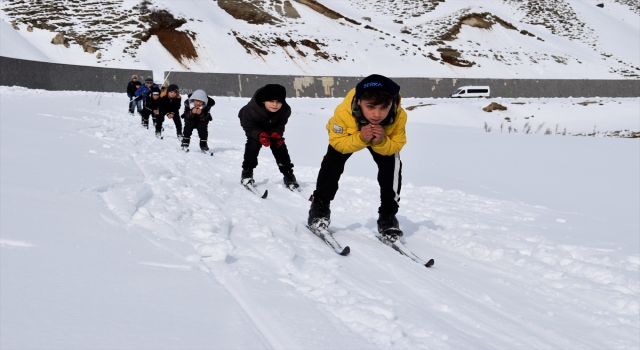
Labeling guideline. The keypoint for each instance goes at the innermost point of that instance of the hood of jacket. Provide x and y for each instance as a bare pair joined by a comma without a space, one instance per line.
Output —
199,95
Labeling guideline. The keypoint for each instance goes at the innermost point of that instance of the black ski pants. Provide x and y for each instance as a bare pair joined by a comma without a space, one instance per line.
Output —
145,115
201,126
281,154
176,121
389,177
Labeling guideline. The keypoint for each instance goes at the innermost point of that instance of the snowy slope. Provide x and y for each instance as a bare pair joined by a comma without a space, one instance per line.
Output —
111,238
536,39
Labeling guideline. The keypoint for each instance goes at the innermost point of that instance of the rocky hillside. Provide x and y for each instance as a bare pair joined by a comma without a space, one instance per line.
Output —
437,38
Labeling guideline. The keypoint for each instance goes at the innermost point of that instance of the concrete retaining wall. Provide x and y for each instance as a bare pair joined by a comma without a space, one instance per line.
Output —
244,85
54,76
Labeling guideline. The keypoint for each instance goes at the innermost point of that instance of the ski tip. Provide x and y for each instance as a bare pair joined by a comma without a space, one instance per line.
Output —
429,263
212,154
266,193
345,251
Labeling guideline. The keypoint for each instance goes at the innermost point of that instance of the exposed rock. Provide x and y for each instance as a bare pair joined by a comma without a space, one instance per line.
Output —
88,45
99,55
600,5
59,39
290,11
452,56
247,11
30,29
494,107
14,25
318,7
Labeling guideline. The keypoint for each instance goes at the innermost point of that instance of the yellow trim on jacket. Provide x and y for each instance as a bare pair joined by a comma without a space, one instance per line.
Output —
344,134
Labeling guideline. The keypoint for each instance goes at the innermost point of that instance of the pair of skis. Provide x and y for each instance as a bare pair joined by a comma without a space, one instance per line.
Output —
186,150
253,189
328,238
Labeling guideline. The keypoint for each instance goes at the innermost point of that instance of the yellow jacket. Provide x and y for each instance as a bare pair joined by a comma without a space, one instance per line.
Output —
344,133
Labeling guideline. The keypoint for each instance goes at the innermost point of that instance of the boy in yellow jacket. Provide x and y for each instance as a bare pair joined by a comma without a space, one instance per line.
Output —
370,117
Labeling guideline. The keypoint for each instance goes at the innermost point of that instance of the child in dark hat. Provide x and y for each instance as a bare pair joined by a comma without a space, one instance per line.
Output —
370,117
197,116
131,90
170,102
263,120
142,92
151,106
136,101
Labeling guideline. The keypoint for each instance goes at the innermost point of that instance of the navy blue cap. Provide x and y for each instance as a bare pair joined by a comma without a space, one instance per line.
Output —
377,82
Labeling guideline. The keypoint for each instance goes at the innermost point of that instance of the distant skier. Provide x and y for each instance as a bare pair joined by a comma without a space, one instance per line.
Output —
170,103
142,93
151,107
263,120
370,116
197,116
131,91
133,103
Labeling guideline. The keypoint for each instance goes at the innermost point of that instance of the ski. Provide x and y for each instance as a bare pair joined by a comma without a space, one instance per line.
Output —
252,188
400,248
327,237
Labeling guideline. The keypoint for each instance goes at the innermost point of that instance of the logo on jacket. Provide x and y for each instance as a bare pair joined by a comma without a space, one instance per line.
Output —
337,129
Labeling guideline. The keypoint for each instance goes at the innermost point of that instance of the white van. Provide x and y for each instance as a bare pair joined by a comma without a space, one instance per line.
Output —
472,91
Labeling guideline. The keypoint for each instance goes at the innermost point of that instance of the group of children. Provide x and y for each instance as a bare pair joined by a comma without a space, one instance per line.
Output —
370,117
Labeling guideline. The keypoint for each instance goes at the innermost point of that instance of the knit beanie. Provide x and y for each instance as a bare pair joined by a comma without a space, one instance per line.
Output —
271,92
173,87
148,80
377,82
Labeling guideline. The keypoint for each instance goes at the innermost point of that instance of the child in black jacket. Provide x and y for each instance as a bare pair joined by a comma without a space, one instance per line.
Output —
196,116
263,120
151,107
170,102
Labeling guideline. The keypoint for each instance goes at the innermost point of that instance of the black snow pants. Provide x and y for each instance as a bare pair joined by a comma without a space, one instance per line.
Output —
201,126
176,121
281,154
389,177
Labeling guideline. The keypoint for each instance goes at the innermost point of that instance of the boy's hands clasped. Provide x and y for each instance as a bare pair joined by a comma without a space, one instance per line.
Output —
372,133
266,139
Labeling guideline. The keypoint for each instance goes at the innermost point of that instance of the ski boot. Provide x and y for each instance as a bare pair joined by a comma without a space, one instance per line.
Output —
185,143
179,136
203,146
247,177
159,135
388,227
290,180
319,213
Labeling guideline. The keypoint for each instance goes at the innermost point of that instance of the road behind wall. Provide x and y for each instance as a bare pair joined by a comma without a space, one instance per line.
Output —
54,76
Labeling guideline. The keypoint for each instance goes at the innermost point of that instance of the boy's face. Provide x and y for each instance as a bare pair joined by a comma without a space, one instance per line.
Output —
172,94
273,106
198,103
155,96
374,113
148,84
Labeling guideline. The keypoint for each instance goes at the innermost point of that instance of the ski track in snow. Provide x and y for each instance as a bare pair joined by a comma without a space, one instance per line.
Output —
496,279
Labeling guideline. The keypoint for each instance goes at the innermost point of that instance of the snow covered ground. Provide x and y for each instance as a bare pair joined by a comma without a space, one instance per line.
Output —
111,238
